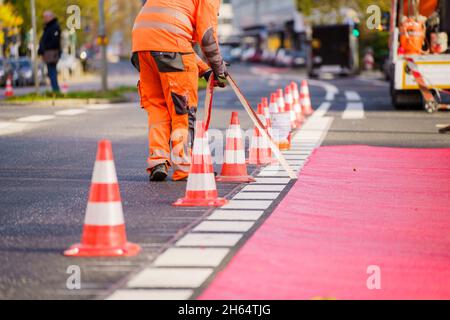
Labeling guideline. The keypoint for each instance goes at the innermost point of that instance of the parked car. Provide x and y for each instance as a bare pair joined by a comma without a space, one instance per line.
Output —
23,73
284,58
2,73
12,70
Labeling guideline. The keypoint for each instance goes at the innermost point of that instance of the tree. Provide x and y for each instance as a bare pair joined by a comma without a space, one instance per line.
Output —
307,7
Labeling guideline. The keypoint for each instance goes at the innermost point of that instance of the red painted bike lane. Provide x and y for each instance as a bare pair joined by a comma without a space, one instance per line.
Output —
353,210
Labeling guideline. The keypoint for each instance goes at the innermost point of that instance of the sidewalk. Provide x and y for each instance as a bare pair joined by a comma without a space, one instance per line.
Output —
353,210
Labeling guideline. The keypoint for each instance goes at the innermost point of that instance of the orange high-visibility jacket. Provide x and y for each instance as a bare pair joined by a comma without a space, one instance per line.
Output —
175,25
426,7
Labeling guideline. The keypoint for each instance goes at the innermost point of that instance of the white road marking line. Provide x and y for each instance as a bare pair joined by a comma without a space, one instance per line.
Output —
209,240
153,294
272,181
295,157
224,226
352,96
296,152
322,110
279,168
354,110
264,187
36,118
248,204
70,112
187,257
296,162
11,127
256,196
170,278
280,173
236,215
98,107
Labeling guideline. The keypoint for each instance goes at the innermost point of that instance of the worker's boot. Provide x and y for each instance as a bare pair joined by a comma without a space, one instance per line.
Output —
159,173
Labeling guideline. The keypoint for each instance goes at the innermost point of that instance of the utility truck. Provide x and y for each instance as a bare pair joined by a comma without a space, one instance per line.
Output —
419,32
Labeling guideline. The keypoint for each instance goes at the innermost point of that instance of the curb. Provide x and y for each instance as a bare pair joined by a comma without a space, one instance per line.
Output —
64,102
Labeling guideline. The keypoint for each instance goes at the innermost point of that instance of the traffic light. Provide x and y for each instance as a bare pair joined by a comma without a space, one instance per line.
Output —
356,32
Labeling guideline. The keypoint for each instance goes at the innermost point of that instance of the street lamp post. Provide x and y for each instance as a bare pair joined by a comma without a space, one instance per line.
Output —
34,51
103,43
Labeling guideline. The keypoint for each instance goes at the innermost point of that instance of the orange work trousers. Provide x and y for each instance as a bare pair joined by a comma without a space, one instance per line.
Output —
168,88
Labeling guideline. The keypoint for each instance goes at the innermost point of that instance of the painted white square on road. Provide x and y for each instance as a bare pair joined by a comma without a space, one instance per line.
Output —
98,107
189,257
264,187
237,215
70,112
247,204
36,118
224,226
256,196
151,294
269,173
279,168
170,278
272,180
209,240
352,96
354,110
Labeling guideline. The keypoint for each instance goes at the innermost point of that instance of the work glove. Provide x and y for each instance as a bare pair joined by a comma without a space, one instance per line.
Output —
219,81
220,75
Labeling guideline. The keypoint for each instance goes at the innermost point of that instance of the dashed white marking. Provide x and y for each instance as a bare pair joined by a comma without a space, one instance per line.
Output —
209,240
152,294
247,204
256,196
279,168
187,257
236,215
296,152
36,118
352,96
280,173
11,127
170,278
296,157
98,107
224,226
296,162
354,110
272,181
70,112
264,187
322,110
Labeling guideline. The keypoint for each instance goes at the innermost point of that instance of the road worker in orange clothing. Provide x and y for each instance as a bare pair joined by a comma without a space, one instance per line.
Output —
163,37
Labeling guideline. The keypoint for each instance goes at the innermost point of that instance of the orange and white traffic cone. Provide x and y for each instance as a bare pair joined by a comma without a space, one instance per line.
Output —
104,232
259,147
201,190
297,106
273,106
234,168
266,111
280,100
289,106
305,99
9,92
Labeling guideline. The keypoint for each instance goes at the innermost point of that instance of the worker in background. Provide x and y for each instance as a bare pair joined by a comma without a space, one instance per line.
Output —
163,38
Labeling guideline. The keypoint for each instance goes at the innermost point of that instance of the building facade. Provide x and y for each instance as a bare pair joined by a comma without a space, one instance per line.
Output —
269,24
226,30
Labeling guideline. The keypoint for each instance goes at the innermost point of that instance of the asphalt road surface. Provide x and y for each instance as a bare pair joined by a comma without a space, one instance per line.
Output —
47,156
